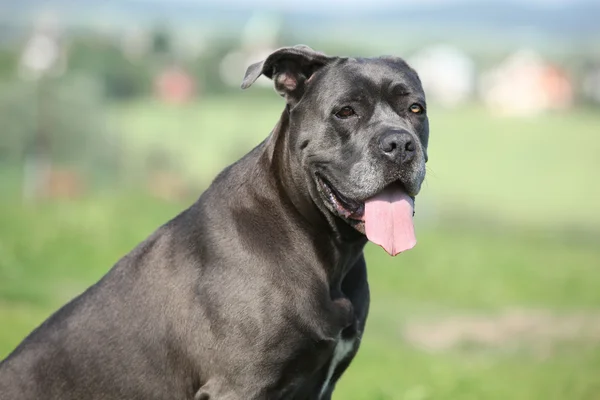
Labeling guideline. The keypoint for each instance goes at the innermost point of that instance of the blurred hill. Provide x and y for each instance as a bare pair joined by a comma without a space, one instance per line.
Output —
478,22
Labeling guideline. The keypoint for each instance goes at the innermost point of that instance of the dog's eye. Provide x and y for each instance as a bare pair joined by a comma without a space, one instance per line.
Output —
416,108
345,112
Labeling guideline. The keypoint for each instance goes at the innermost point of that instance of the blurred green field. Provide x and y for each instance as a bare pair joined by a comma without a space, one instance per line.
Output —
508,223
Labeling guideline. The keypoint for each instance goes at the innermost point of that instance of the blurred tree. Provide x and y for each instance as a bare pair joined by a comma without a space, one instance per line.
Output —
8,63
206,68
161,40
74,123
101,58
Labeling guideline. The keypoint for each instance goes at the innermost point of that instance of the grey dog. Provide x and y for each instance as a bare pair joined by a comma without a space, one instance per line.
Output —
259,289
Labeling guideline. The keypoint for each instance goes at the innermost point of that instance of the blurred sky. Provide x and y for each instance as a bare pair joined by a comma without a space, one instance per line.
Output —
335,4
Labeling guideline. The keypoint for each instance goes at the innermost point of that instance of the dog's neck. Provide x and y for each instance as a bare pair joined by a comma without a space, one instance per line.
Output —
287,174
290,182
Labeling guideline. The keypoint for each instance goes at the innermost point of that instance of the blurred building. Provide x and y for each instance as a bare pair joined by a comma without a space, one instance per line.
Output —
525,84
175,85
135,43
44,52
259,38
447,74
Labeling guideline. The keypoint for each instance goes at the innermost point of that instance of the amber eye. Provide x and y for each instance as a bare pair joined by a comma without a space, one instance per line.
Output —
416,108
345,112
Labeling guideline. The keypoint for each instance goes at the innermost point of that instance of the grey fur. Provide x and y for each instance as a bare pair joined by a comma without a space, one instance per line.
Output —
245,294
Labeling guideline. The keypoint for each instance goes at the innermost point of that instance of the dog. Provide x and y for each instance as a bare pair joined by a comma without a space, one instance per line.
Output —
259,289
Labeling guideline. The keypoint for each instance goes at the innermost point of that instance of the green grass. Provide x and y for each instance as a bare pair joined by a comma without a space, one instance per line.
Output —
508,220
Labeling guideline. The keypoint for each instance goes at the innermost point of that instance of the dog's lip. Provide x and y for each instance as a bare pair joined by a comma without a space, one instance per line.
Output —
353,210
347,208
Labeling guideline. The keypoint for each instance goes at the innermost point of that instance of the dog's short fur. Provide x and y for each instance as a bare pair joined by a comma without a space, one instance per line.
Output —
259,289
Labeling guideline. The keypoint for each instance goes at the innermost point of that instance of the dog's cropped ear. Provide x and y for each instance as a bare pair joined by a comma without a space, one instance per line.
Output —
289,68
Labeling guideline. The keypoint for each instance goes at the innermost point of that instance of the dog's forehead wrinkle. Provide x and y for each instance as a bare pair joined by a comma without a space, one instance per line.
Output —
378,68
361,87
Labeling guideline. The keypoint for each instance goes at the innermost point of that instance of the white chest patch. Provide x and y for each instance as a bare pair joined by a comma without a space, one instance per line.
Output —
341,351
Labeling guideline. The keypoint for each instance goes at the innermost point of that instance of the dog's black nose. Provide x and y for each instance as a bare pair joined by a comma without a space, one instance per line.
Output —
399,146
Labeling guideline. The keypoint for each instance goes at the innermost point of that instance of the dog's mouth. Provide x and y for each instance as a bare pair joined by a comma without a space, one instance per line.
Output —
385,218
346,208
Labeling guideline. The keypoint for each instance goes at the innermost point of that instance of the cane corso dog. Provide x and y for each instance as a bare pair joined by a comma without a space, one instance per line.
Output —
259,289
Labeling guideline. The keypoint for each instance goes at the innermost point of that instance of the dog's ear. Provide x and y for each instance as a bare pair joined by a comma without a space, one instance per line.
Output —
289,68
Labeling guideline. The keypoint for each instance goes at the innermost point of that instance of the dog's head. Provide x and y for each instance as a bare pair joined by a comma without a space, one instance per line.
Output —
359,129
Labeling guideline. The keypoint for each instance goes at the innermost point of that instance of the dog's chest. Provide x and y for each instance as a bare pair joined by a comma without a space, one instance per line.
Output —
324,361
345,344
343,349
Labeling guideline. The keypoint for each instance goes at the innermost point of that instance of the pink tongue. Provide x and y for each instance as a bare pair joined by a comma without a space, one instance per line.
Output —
389,220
